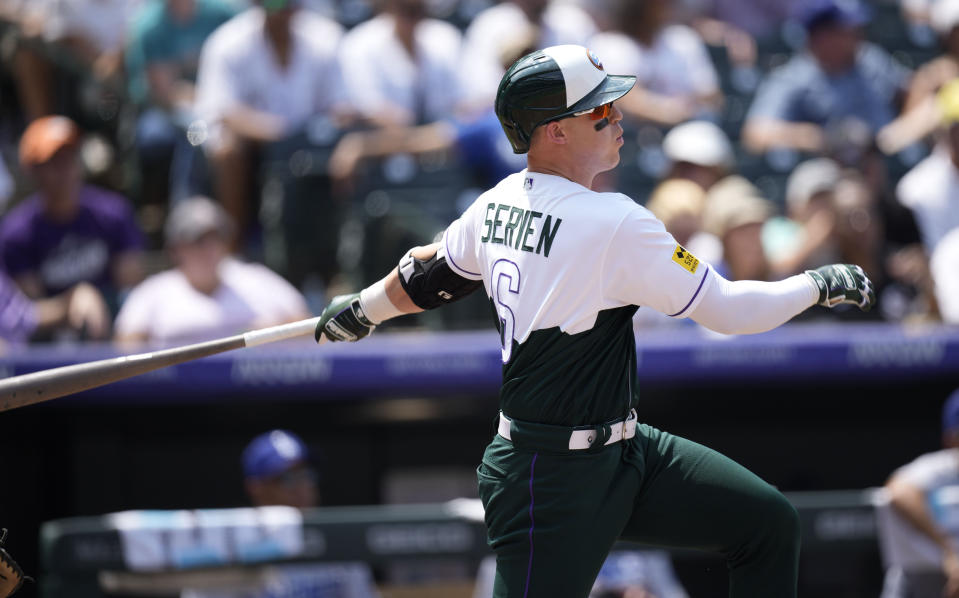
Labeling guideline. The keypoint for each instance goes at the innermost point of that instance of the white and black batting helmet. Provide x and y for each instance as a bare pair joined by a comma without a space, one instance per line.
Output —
551,84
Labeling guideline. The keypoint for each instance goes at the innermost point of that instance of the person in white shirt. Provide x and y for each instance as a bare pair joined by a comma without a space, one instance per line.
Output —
675,78
263,76
922,495
931,188
208,294
944,266
570,469
401,68
279,470
555,22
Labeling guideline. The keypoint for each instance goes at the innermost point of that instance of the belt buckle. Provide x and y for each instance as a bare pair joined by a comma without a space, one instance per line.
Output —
631,418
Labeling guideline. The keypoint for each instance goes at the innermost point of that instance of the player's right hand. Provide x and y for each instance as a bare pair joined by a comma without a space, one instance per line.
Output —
843,283
343,320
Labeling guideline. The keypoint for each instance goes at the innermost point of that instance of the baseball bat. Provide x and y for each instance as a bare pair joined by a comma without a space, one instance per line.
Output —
36,387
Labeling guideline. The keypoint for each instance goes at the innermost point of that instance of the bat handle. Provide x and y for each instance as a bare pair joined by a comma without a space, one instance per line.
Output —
279,333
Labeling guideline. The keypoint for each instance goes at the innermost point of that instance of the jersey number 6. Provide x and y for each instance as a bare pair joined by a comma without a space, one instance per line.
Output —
506,280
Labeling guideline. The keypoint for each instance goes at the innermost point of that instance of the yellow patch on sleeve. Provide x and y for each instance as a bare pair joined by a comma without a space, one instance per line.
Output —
686,260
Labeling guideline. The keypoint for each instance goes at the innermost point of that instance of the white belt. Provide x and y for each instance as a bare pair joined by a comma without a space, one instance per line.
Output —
583,439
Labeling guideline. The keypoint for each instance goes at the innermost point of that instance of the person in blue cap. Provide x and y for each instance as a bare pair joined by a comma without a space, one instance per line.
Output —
277,471
838,76
923,493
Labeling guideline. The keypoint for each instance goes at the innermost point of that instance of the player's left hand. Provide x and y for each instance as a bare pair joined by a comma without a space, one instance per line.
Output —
343,320
843,283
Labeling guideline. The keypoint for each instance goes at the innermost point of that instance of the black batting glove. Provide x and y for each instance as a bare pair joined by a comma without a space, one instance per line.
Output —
843,283
343,320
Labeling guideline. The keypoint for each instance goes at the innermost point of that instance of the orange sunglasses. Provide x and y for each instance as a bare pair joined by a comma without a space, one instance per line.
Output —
597,113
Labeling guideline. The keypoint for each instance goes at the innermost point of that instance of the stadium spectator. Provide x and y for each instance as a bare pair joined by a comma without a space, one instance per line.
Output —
68,231
759,20
920,113
805,237
402,67
476,139
208,294
625,574
678,203
265,75
944,265
65,38
79,310
675,78
837,77
556,22
162,57
735,213
861,238
277,471
699,151
930,188
917,12
919,494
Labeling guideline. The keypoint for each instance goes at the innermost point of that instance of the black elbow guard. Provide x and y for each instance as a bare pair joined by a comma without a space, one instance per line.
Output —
432,283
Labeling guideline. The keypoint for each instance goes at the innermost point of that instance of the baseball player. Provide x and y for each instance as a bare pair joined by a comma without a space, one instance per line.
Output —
571,469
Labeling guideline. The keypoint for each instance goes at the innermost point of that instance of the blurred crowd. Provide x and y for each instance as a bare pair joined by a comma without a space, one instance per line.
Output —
172,170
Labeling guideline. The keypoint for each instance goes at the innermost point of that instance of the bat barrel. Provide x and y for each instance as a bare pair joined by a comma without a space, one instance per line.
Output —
37,387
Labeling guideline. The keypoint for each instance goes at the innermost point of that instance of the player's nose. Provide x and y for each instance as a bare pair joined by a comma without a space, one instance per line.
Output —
615,114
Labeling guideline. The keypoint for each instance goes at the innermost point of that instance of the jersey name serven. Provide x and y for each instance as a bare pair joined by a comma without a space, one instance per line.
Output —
512,226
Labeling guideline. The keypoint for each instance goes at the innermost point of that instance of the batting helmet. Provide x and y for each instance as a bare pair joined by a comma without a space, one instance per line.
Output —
550,84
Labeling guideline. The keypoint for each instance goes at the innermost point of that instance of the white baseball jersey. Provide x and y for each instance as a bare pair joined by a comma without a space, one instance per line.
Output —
565,268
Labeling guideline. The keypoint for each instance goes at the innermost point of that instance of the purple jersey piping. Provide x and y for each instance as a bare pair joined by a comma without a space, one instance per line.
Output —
446,243
529,568
696,294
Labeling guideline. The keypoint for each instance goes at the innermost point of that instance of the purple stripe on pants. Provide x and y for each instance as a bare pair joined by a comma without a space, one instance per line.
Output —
529,568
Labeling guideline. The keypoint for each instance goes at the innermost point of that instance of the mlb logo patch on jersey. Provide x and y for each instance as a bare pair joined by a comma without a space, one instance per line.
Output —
528,183
686,260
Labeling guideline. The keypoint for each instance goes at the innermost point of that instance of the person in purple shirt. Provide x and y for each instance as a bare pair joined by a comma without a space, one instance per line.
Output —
67,232
80,311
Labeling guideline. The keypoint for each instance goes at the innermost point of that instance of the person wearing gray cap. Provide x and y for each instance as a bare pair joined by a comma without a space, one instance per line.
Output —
209,293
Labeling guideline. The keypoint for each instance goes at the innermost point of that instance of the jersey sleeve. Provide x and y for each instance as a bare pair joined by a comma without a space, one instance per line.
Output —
645,266
459,244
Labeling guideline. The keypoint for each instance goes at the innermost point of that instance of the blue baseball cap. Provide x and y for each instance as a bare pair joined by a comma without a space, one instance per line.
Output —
272,453
950,413
842,13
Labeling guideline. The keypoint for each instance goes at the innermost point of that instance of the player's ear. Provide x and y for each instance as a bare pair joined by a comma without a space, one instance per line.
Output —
556,133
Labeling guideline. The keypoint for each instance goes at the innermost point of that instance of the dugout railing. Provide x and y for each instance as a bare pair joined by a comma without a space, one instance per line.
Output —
97,557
